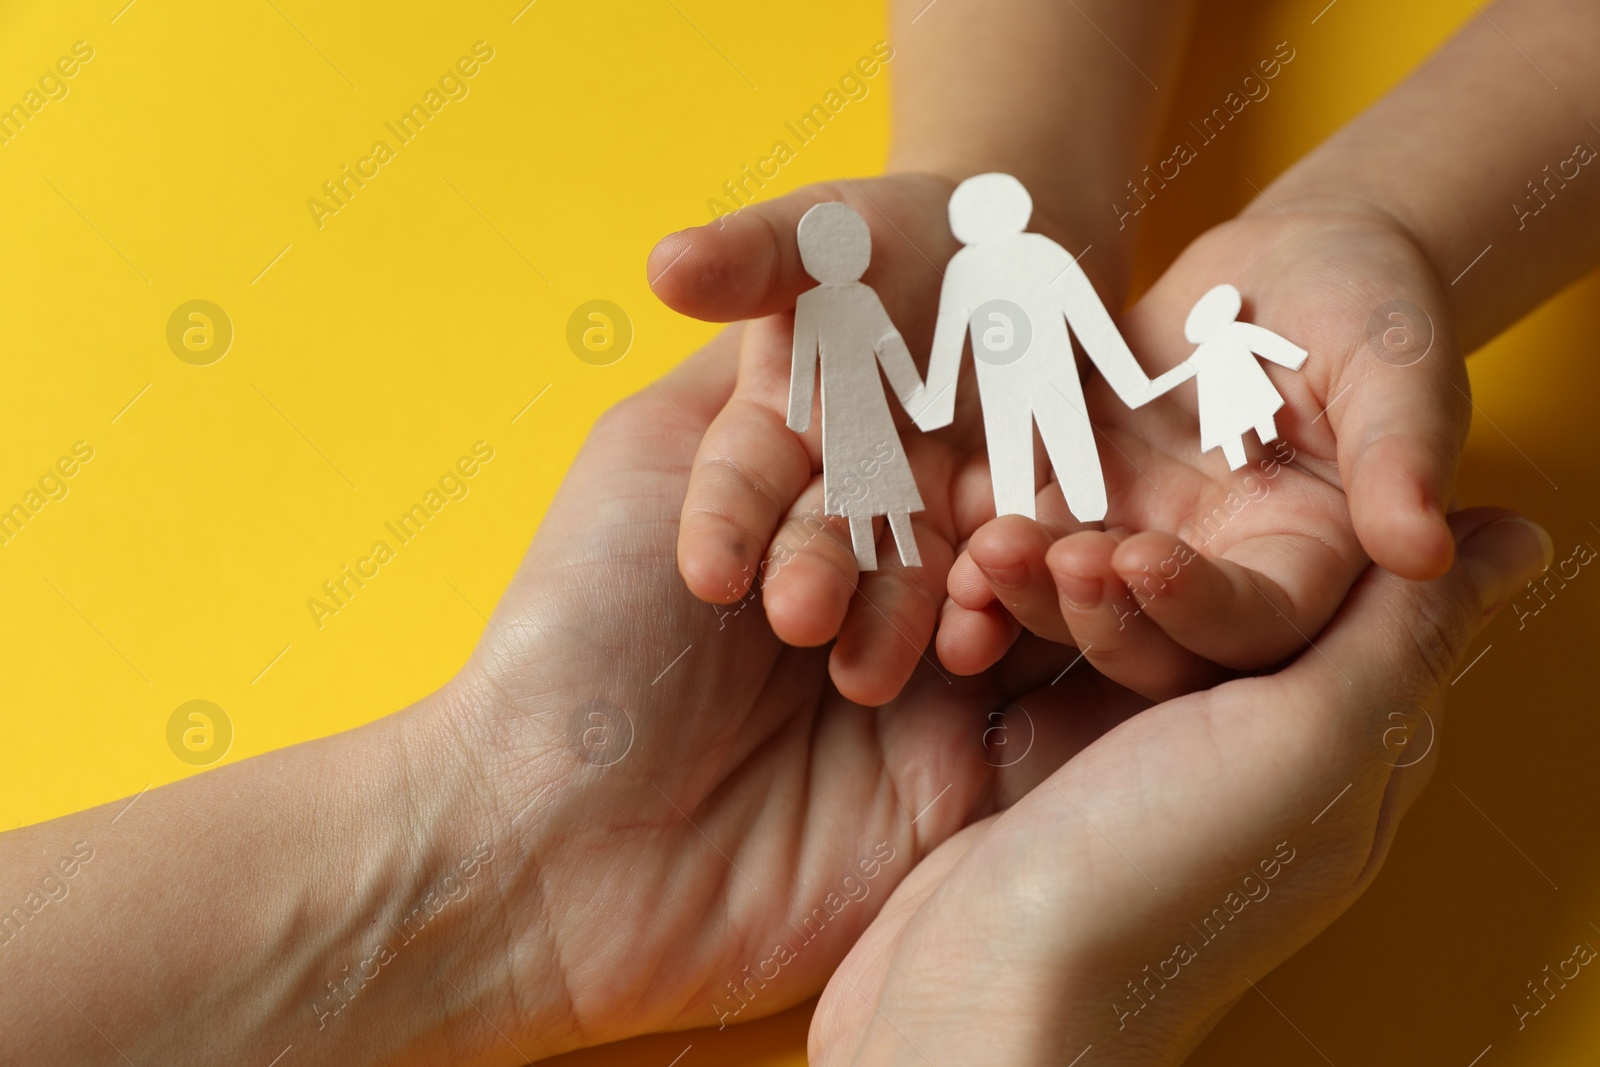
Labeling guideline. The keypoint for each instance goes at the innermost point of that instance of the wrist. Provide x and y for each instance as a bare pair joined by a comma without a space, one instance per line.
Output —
470,904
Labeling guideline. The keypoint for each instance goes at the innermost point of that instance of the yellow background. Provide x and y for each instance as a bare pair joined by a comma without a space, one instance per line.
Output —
428,312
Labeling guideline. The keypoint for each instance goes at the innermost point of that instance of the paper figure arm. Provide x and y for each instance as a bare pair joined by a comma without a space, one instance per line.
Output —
1165,383
1092,324
803,373
901,370
1268,345
944,363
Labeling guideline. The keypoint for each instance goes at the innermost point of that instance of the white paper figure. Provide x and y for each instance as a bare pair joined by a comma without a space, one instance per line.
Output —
1018,292
1235,394
864,467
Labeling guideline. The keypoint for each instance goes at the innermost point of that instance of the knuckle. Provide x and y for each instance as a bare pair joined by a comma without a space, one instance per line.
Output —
1437,634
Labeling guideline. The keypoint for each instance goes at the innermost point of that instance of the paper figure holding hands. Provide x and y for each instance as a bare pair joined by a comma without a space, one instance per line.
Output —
1235,394
864,467
1018,293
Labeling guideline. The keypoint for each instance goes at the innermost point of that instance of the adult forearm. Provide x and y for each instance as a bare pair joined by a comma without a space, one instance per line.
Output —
335,898
1489,155
1067,96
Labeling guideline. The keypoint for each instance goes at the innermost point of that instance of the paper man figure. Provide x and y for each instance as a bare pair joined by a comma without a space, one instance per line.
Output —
1236,395
1018,292
864,467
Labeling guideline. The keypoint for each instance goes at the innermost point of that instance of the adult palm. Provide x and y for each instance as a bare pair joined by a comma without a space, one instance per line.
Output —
691,792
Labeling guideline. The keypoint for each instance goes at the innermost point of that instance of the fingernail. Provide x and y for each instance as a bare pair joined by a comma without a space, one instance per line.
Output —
1081,594
1503,555
1008,577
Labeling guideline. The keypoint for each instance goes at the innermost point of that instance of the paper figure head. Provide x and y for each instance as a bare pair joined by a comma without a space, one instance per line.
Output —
1211,312
835,244
987,206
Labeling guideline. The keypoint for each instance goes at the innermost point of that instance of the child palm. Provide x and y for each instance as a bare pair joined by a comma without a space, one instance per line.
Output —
1278,550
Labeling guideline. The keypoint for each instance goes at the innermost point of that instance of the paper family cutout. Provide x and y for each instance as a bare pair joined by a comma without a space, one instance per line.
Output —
1017,295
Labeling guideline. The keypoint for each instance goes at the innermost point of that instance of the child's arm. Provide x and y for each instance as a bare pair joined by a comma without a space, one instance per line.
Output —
803,371
1477,153
1477,160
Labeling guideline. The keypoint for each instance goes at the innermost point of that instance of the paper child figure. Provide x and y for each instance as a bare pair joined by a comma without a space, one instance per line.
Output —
864,467
1018,292
1235,394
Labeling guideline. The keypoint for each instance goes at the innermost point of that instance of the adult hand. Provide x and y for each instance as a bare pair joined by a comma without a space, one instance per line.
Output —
1127,901
630,811
697,826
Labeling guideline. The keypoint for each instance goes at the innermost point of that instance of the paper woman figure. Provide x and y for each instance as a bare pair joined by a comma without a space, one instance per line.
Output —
864,467
1235,394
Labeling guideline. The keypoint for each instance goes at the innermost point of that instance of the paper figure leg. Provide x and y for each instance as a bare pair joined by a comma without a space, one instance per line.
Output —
905,539
1267,430
1008,433
1069,439
1234,450
861,541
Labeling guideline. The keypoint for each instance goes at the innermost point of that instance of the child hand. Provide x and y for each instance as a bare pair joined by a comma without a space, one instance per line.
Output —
754,508
1256,559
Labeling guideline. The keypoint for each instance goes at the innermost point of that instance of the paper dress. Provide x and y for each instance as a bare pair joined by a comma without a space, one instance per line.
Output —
842,329
1235,394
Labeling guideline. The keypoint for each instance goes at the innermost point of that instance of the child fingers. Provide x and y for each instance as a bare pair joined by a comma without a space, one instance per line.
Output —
1119,639
809,576
1224,610
1400,432
1010,553
747,472
888,625
971,640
